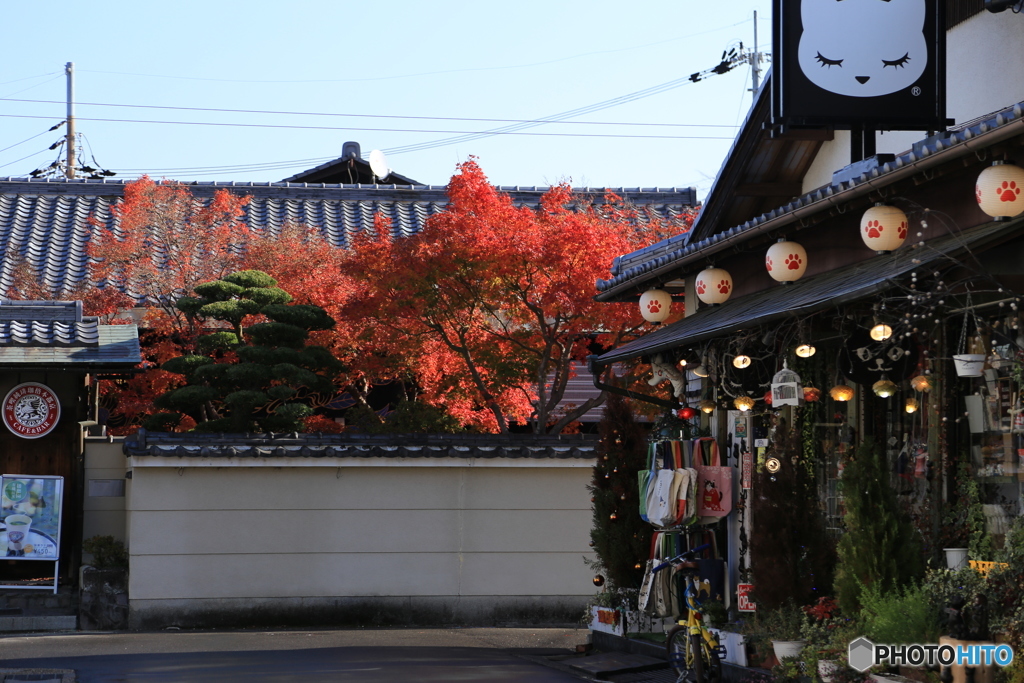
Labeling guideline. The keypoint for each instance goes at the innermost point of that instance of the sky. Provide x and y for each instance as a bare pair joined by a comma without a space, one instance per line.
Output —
258,91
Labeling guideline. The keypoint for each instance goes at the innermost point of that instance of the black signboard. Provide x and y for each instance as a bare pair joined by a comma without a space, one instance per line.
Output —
859,64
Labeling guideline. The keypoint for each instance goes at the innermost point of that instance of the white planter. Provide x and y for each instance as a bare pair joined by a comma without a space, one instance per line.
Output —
606,620
956,558
827,669
735,646
788,648
969,364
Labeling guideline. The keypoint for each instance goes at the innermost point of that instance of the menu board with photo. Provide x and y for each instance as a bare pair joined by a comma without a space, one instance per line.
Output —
30,510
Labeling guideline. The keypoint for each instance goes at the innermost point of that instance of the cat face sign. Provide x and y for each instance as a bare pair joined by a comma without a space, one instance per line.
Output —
863,48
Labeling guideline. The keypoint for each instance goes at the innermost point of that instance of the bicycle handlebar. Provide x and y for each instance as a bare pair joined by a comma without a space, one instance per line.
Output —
680,558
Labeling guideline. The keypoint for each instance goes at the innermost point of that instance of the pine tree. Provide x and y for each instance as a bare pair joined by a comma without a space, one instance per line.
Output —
792,557
259,377
621,539
879,545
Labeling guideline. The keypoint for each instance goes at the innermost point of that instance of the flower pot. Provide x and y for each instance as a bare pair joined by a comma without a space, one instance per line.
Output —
956,558
969,364
827,669
788,648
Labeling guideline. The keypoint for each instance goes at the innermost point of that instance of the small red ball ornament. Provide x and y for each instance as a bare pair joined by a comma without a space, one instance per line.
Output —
687,413
811,394
768,397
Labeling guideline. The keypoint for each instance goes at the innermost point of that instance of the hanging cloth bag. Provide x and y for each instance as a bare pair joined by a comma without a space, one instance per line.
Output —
714,481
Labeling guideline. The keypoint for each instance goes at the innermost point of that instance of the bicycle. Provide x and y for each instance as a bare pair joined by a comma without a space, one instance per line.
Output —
693,652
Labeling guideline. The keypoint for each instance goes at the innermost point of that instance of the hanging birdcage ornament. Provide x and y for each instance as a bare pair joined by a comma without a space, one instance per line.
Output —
786,388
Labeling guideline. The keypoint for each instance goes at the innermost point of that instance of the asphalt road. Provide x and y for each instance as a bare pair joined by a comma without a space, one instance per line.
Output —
375,656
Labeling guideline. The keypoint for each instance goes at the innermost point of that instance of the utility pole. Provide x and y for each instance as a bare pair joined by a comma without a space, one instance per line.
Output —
755,59
69,168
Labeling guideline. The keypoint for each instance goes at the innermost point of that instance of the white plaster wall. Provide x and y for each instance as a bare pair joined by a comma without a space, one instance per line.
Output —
209,538
103,516
984,73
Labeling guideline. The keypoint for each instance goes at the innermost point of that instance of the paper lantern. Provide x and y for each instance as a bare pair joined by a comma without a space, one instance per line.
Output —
998,190
786,261
786,389
707,406
841,392
884,388
806,350
655,305
811,394
911,405
880,332
921,383
713,285
743,403
883,228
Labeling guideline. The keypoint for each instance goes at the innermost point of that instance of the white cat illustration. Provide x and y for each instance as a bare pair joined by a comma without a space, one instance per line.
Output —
863,48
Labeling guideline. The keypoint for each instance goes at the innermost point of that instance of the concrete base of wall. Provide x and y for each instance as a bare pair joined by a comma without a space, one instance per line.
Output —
358,611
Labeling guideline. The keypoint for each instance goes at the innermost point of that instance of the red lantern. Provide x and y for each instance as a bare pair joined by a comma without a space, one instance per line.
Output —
687,413
768,397
811,394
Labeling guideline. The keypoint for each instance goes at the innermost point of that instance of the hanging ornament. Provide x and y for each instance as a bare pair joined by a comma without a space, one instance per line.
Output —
786,261
613,517
841,392
806,350
811,394
687,413
743,403
638,566
713,285
707,406
598,580
786,388
767,398
655,305
921,383
880,332
998,190
911,405
883,228
741,361
884,388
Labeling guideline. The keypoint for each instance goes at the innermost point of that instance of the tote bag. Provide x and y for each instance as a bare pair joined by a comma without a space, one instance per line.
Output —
714,481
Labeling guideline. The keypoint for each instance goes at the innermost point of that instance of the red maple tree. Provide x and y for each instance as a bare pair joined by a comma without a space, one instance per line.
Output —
492,303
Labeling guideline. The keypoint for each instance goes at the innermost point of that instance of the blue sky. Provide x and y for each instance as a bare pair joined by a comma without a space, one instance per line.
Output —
417,72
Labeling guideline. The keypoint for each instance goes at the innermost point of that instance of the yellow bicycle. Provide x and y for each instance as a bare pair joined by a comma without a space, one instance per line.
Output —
693,652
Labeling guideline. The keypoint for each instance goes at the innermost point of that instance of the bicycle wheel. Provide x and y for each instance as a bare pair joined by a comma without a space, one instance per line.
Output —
681,645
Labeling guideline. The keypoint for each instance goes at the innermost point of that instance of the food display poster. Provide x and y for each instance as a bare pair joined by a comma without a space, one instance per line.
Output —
30,510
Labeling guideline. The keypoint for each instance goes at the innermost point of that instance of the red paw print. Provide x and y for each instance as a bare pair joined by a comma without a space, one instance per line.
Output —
901,230
977,193
1008,191
793,261
654,306
768,263
874,229
701,287
724,286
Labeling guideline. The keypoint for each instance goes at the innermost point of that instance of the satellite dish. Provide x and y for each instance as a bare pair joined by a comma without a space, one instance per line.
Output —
379,164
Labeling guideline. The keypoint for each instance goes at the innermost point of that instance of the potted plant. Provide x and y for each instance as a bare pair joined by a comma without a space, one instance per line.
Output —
785,625
823,650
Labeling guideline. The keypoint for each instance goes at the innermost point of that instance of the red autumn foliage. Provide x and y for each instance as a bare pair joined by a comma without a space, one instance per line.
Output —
491,304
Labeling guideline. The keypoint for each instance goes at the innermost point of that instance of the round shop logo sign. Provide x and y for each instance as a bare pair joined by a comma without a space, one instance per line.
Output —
31,410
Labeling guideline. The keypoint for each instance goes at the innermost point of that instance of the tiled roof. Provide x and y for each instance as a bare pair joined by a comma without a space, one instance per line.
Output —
638,269
465,446
47,221
56,334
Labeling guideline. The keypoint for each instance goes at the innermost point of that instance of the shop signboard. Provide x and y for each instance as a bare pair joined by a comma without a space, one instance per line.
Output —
31,514
743,601
31,410
859,64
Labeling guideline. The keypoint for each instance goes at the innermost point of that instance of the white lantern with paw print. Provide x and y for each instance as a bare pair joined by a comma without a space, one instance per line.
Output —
655,305
786,261
713,285
998,190
883,228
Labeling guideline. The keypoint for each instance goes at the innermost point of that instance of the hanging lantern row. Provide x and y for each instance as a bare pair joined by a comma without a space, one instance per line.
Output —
998,190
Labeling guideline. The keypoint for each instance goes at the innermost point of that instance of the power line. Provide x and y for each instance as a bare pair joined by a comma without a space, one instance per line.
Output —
375,116
375,130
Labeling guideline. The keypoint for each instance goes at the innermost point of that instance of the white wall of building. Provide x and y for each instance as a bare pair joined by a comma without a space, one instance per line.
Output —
357,540
103,510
